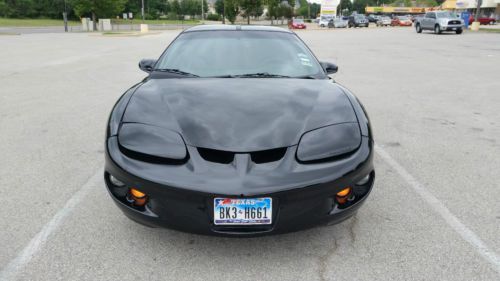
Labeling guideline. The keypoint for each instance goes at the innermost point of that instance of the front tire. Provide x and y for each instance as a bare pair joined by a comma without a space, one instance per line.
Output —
459,31
437,29
322,25
418,28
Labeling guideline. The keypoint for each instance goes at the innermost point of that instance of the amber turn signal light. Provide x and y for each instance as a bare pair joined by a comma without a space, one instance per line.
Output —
139,197
342,195
344,192
136,193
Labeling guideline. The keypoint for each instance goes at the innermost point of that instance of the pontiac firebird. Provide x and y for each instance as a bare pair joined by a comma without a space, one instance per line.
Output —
238,131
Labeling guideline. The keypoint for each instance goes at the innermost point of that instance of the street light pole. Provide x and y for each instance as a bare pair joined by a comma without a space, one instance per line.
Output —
142,10
479,2
202,13
65,17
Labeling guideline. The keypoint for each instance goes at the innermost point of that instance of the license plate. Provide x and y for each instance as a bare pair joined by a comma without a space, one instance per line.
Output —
243,211
454,28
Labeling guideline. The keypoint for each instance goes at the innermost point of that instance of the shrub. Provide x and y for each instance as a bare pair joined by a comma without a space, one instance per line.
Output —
213,17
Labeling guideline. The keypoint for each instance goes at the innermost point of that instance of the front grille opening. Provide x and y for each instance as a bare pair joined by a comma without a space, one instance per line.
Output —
226,157
217,156
266,156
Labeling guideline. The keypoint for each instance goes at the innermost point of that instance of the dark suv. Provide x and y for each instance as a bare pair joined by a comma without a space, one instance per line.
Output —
358,21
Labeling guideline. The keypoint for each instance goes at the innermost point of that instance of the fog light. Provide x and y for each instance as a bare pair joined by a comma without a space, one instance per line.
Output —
139,197
364,180
115,181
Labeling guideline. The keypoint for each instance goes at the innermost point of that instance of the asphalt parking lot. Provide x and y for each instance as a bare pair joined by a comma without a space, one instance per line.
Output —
434,213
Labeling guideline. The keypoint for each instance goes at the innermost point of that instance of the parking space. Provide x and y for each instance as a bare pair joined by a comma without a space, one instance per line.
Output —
433,102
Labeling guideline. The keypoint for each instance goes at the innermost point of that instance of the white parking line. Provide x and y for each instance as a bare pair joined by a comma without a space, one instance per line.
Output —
467,234
24,257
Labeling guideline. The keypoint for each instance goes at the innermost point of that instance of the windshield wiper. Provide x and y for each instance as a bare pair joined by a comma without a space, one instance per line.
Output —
305,77
261,75
176,71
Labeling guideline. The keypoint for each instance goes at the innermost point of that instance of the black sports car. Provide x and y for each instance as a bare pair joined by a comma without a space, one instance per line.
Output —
238,131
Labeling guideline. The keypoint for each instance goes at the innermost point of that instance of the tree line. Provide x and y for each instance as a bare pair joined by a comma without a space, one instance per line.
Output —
176,9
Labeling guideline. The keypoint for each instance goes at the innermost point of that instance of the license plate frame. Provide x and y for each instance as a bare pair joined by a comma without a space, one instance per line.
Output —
243,211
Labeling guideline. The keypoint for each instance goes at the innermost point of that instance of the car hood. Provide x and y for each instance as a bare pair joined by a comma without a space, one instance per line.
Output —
239,114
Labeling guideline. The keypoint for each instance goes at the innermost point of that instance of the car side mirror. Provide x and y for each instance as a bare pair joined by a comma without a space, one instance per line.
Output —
330,68
147,65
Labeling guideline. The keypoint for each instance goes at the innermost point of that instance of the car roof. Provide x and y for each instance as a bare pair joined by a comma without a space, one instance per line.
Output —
222,27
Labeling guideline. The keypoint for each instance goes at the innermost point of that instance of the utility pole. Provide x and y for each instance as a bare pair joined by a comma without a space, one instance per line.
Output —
65,17
142,11
479,2
202,13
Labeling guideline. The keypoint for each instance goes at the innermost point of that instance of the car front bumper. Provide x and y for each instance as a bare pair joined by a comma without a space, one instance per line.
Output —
297,204
451,27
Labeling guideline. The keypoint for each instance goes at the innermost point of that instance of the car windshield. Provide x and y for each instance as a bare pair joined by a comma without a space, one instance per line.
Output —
360,17
446,15
386,18
240,53
298,21
403,18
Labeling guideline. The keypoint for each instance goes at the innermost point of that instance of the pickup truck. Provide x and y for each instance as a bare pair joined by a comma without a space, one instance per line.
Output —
439,21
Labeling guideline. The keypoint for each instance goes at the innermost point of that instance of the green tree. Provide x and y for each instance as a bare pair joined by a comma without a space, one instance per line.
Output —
303,10
345,7
3,8
284,11
231,9
316,9
360,5
272,9
20,8
219,9
176,7
98,8
251,8
402,3
156,8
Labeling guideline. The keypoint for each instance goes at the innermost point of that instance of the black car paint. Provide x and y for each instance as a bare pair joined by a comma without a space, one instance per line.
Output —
207,113
240,115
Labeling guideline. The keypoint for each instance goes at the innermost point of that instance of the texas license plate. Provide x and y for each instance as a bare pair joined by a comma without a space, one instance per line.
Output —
243,211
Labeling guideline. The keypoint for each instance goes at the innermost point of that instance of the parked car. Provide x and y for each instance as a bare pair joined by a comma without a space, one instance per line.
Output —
297,24
384,21
316,20
324,20
439,21
338,22
358,21
373,18
483,20
401,21
216,143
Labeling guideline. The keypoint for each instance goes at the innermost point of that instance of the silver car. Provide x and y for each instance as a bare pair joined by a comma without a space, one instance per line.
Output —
384,21
338,22
439,21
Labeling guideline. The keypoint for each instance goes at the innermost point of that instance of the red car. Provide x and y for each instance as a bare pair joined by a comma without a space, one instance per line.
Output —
483,20
401,21
297,24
